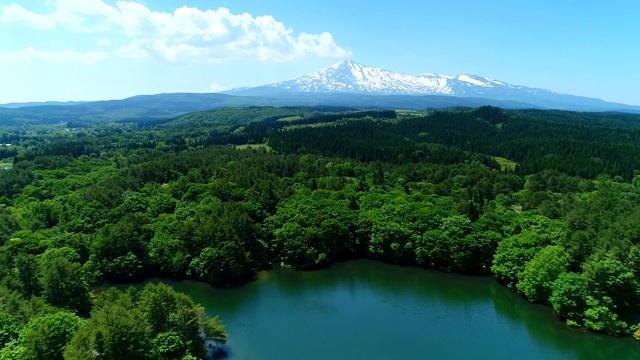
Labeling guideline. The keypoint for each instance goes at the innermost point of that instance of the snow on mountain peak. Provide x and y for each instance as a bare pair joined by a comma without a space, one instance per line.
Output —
353,77
350,76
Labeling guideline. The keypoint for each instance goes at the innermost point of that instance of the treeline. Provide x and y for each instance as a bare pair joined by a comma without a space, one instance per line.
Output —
572,147
257,132
371,141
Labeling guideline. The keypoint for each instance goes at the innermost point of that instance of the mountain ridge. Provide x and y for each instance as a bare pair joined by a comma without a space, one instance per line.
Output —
351,77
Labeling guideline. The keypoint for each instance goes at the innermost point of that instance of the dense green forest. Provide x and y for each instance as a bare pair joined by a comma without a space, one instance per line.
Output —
219,195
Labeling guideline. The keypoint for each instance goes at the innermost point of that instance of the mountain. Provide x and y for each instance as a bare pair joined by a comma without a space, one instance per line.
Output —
44,103
351,77
346,84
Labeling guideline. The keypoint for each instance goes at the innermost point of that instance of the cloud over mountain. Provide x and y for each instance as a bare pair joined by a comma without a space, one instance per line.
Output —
186,35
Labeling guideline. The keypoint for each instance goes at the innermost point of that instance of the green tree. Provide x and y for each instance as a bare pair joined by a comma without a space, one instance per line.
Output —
611,278
9,329
27,268
63,284
214,330
536,281
599,317
45,338
569,296
514,252
168,346
115,331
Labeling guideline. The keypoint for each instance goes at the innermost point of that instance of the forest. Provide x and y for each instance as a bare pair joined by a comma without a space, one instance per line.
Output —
547,202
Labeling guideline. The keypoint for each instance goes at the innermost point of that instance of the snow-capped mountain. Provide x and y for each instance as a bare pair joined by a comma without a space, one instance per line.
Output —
351,77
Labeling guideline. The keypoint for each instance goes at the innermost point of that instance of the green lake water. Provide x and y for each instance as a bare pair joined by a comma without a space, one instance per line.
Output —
368,310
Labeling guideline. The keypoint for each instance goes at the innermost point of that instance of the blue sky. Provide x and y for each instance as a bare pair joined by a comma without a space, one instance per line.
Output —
103,49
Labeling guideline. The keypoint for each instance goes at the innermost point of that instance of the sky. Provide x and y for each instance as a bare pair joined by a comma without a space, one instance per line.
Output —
79,50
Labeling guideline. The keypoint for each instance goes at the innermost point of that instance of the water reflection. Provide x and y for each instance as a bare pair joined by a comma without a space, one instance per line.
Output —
360,308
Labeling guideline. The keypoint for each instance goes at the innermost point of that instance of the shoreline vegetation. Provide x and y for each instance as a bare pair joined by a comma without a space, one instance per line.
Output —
546,201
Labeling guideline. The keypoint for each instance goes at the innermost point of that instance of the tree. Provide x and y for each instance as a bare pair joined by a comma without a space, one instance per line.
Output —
63,284
297,246
599,317
569,296
611,278
27,268
44,338
214,330
536,281
168,346
177,323
120,248
514,252
9,329
115,331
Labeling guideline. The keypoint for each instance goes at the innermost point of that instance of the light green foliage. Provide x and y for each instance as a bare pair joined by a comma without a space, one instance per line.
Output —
168,346
115,331
312,229
8,328
536,281
609,277
44,338
515,251
176,322
600,317
168,254
13,351
569,296
395,222
214,330
297,247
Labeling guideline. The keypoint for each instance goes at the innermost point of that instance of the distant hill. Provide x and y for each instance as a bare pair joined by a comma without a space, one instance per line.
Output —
346,84
167,106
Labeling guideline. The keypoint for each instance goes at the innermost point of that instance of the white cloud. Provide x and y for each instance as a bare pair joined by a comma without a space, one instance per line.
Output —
215,87
30,54
103,41
16,13
186,35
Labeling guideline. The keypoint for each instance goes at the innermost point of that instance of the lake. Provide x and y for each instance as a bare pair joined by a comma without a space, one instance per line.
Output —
368,310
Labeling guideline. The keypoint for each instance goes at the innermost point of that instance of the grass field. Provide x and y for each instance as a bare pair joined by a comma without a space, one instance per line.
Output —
505,164
291,118
410,113
253,147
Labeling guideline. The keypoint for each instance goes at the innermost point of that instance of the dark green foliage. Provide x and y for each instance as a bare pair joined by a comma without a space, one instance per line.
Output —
148,197
115,331
154,323
27,269
63,284
8,225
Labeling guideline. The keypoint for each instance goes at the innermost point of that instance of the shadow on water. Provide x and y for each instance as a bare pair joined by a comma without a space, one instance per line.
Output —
350,289
548,330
